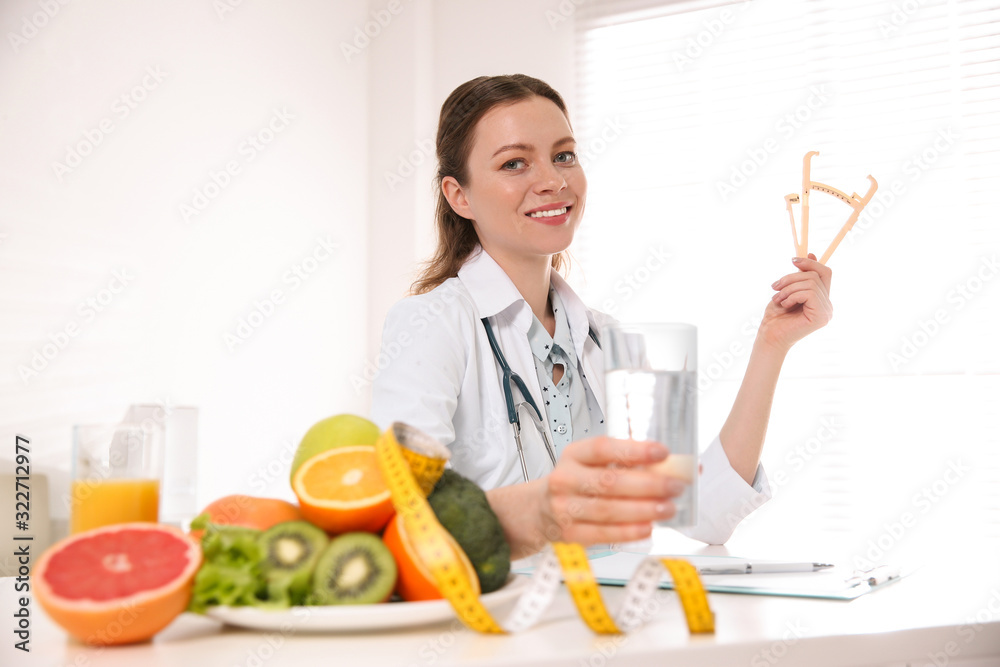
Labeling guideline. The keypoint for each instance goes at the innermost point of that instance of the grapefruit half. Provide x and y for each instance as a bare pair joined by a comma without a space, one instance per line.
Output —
117,584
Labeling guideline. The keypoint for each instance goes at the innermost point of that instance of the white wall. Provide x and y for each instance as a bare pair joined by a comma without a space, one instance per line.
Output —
221,76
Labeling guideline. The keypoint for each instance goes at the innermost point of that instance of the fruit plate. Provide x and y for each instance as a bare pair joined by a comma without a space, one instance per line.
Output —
340,618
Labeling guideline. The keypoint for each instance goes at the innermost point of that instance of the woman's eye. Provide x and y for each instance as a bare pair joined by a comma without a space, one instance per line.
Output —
566,157
513,164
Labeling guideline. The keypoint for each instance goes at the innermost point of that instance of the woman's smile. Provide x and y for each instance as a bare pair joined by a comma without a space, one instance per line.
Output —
551,214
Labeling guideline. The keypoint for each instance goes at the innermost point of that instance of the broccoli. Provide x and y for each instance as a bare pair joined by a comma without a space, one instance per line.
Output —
462,508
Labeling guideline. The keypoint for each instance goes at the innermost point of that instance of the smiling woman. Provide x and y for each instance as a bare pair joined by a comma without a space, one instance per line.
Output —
511,197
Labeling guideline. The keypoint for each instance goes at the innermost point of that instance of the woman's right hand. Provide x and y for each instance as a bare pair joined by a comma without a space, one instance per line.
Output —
608,490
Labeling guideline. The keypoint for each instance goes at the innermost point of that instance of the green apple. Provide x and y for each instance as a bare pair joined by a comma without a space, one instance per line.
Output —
336,431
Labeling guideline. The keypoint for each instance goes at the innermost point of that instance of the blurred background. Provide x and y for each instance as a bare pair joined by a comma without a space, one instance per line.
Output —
213,203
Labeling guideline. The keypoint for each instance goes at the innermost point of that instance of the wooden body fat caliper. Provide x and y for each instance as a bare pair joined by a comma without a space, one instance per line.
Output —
857,203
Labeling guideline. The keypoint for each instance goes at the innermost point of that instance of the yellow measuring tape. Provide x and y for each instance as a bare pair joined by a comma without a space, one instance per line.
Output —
412,469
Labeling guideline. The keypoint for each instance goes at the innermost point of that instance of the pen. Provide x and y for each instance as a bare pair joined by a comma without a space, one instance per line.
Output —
763,568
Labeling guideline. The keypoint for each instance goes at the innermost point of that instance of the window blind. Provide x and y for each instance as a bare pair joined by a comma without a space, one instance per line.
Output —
693,119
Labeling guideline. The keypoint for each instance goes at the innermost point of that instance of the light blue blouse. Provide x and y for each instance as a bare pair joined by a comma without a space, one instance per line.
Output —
565,408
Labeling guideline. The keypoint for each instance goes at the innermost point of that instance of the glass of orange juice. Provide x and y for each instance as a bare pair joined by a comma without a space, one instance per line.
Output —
116,476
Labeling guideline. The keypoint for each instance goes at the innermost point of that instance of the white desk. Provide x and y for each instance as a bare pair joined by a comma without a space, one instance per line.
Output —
913,622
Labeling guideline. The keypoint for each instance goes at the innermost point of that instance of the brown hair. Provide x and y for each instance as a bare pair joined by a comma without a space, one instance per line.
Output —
460,113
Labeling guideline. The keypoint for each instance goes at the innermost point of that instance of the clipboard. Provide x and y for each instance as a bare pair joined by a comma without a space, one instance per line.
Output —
614,568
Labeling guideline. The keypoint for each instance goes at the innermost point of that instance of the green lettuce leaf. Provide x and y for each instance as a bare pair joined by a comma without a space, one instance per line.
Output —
230,573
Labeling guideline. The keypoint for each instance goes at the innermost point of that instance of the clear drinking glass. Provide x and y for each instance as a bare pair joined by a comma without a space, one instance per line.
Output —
116,476
176,428
651,386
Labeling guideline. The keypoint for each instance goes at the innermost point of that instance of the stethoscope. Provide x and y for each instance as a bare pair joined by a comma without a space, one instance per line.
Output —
508,381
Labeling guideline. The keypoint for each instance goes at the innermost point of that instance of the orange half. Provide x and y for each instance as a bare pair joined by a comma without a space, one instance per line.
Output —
415,582
342,490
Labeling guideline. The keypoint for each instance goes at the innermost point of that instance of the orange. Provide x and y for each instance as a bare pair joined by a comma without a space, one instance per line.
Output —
415,582
342,490
250,511
117,584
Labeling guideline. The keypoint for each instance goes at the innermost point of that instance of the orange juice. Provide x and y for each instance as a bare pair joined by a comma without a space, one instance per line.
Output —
101,502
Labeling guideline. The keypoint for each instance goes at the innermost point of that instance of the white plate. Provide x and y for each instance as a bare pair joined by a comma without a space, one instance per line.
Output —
339,618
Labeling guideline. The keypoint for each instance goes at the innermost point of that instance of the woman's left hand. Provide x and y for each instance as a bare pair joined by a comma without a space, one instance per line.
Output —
800,306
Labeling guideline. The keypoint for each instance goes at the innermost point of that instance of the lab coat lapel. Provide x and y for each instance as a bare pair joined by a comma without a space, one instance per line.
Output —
497,298
490,288
593,368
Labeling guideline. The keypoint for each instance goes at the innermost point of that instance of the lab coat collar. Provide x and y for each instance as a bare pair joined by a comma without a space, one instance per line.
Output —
492,290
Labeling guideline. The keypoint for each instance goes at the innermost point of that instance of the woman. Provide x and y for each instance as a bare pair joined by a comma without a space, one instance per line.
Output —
511,195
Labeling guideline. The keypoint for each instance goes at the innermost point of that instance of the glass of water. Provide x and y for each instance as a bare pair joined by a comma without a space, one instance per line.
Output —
651,394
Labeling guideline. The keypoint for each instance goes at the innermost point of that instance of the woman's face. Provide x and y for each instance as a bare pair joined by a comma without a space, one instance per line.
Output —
525,191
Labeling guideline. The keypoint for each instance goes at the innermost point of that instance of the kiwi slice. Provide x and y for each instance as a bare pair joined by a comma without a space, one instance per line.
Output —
290,551
357,568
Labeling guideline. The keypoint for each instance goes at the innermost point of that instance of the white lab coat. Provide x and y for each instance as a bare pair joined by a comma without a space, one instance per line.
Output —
438,374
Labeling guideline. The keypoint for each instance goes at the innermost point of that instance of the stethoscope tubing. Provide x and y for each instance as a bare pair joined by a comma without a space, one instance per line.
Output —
509,378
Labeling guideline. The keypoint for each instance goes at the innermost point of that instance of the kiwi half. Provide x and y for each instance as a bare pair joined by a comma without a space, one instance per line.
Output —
291,550
357,568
